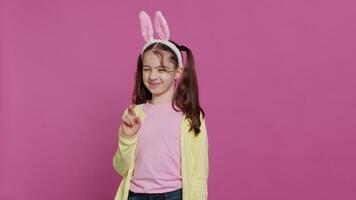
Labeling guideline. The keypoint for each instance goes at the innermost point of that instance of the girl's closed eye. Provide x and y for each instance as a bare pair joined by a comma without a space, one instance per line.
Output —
162,70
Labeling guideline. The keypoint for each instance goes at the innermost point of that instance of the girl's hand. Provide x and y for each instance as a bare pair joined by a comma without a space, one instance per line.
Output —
130,123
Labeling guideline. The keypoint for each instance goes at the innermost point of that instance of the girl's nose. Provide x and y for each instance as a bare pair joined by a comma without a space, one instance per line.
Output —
153,75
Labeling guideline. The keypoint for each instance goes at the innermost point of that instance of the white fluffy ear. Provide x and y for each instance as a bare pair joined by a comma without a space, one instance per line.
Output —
161,26
146,26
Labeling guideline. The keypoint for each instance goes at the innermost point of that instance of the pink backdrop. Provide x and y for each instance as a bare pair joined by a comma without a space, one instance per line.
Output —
277,81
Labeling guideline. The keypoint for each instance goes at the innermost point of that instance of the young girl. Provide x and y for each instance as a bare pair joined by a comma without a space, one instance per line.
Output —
163,143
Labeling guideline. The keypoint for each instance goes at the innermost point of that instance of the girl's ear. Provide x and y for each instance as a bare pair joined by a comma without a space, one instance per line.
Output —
146,26
161,26
179,73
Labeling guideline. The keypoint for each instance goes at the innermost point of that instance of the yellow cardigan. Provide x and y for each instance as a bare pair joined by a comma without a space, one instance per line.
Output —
194,160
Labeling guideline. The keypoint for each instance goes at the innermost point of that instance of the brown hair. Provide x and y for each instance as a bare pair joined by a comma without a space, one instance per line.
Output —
186,96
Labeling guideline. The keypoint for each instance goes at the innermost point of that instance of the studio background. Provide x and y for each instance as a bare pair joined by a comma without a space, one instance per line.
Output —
277,81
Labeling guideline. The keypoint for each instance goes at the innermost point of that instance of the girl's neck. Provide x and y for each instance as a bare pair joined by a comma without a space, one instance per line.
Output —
159,102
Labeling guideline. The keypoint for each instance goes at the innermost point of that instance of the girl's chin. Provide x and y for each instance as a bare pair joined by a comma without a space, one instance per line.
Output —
156,90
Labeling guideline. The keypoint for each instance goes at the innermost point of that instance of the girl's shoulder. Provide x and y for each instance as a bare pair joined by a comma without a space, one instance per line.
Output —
138,107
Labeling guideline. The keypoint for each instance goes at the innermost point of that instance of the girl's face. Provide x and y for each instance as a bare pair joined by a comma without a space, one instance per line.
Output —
158,79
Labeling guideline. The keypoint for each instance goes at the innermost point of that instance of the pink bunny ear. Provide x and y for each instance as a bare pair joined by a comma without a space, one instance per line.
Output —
146,26
161,26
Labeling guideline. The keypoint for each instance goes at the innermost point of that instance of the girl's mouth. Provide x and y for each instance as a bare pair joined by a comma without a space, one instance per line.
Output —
154,85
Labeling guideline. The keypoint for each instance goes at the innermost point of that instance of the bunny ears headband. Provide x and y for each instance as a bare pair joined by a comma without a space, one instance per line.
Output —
162,30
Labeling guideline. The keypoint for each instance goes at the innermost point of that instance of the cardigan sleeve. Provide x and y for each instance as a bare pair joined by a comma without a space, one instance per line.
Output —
124,155
200,169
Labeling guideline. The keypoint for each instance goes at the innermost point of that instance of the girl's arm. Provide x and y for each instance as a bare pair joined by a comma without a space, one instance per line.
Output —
124,155
200,164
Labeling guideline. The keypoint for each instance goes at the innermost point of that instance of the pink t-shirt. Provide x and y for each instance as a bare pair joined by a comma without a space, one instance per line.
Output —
157,161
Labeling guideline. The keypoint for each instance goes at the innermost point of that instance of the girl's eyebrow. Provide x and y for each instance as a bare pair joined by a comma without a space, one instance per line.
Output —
154,67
